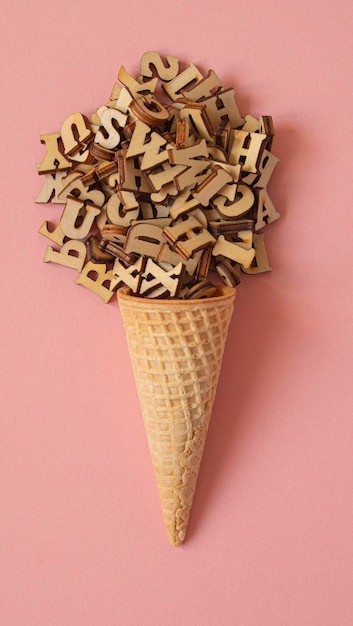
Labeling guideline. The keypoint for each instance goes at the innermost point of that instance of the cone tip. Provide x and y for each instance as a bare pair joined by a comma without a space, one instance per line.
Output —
176,543
176,538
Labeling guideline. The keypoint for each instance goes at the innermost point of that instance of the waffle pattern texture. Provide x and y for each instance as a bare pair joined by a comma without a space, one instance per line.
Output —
176,349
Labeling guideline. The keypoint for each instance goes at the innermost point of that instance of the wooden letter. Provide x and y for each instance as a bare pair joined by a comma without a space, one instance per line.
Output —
108,135
150,111
56,235
204,88
76,133
183,203
95,277
123,101
51,188
158,282
130,175
72,186
212,185
267,128
197,118
117,214
164,174
147,145
229,272
242,204
128,199
260,263
71,254
68,222
266,212
234,251
175,86
53,160
129,276
134,87
188,236
223,106
246,148
145,239
266,166
163,72
195,161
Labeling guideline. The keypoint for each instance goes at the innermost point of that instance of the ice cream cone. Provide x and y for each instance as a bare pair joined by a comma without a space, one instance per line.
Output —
176,349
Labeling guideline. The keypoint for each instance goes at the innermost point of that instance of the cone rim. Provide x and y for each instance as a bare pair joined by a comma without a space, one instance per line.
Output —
224,292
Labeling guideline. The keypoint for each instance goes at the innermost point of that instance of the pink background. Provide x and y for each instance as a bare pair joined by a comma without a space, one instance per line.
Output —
270,539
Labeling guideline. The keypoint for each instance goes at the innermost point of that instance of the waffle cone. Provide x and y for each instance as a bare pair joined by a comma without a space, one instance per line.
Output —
176,349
